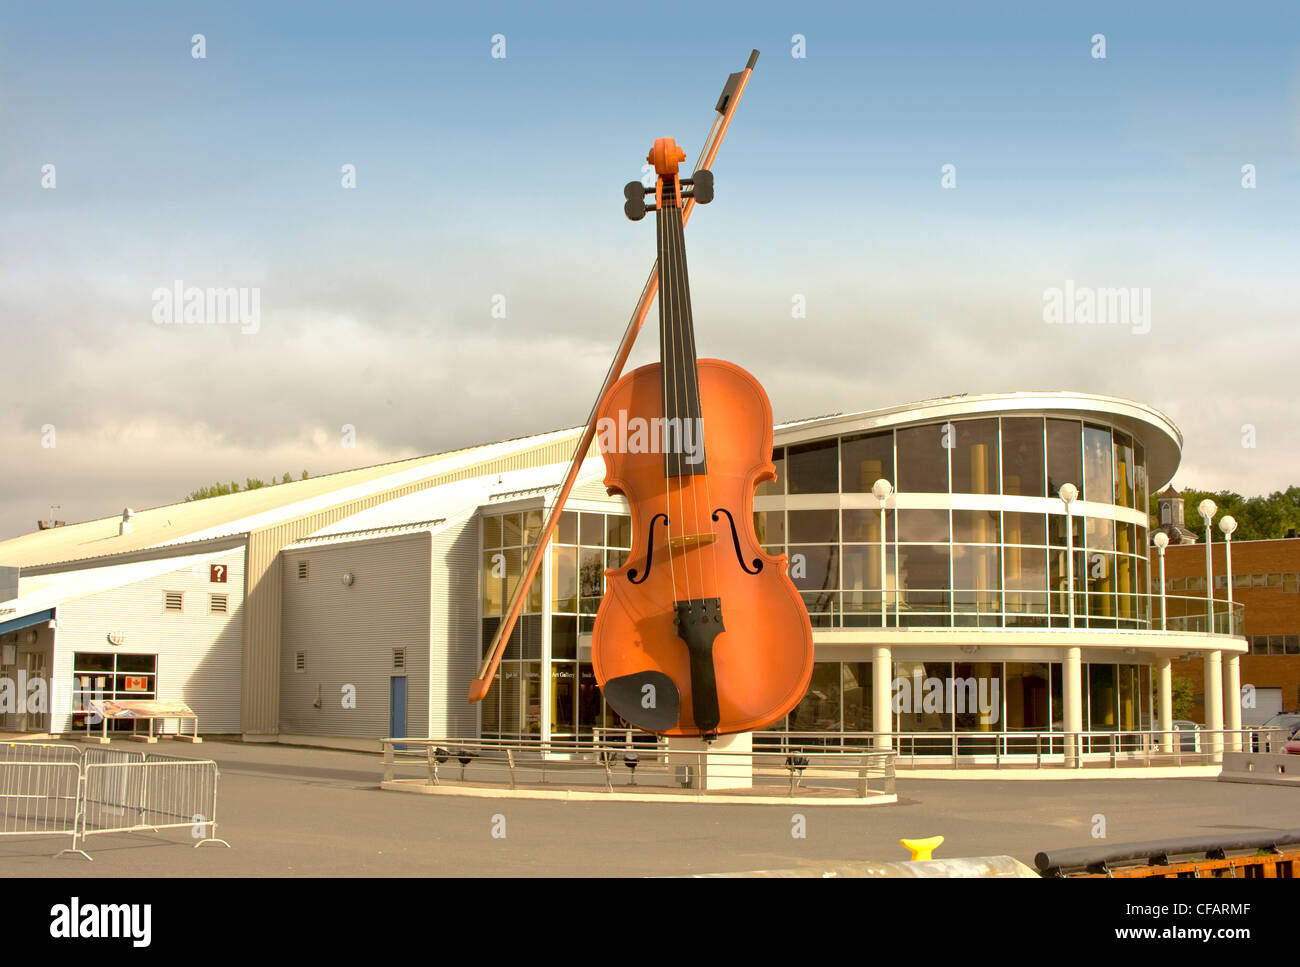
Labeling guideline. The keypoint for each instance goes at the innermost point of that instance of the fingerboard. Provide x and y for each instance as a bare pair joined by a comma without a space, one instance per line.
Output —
682,439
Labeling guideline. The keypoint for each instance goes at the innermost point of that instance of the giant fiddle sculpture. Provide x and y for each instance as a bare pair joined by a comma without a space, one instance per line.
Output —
701,633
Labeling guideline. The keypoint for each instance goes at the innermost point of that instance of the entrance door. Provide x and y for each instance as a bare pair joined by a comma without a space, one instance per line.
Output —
397,707
34,665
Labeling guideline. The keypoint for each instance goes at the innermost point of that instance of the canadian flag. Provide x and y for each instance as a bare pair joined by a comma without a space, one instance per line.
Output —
137,683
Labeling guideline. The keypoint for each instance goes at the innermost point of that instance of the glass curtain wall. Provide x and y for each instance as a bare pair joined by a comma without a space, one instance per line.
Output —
964,567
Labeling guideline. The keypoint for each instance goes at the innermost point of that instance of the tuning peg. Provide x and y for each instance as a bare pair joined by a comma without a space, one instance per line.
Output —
634,190
702,186
635,209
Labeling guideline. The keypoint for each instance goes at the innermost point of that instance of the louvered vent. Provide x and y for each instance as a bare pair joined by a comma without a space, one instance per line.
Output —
172,601
302,570
219,604
399,659
300,661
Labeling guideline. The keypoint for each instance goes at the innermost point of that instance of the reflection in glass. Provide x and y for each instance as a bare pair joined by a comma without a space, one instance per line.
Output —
1023,528
975,526
857,696
819,711
922,526
1022,456
922,459
814,468
1064,460
1123,496
861,525
814,526
564,579
974,445
867,459
1097,465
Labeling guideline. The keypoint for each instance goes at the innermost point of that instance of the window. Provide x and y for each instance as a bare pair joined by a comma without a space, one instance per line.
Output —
1022,456
399,659
814,467
218,604
867,459
172,601
974,445
111,677
1064,463
1290,583
923,459
1098,461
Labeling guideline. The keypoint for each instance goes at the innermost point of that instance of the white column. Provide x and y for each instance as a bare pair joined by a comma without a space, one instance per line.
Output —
1165,699
1232,698
1072,696
1214,699
882,714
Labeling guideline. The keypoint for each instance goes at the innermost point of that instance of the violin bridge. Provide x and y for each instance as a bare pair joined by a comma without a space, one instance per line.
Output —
679,545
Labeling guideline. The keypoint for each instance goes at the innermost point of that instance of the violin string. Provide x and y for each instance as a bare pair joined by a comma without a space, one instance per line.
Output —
665,335
681,289
680,319
699,401
679,387
700,408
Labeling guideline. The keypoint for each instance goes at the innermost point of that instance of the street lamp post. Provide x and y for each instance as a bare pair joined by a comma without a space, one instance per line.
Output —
1162,541
1207,510
882,488
1069,493
1228,525
1231,662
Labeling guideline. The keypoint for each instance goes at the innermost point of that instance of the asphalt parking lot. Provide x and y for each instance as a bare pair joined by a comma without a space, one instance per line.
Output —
310,812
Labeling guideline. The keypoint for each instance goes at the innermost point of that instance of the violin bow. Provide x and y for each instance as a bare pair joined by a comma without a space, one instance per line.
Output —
725,108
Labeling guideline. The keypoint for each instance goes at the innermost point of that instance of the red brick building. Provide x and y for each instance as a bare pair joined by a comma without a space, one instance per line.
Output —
1266,581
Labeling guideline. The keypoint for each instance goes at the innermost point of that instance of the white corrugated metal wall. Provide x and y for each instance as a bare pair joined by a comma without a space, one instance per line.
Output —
454,635
199,653
347,634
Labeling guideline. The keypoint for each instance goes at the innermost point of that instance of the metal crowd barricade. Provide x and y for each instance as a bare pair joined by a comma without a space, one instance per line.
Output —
151,793
40,791
66,790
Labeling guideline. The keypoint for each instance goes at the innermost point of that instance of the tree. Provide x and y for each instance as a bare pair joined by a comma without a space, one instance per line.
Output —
1258,518
1182,698
250,483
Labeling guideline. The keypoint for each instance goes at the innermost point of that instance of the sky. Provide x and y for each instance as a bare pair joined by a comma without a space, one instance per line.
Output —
474,283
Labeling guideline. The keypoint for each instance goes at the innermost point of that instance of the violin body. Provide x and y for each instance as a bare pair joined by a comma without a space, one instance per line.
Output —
762,661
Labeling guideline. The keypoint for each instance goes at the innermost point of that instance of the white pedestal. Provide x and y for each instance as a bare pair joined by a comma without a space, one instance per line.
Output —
709,770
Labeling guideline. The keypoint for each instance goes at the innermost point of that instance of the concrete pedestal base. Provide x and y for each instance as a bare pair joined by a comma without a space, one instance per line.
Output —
710,771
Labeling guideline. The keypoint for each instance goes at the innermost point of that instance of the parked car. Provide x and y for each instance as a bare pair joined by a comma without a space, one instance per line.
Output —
1188,740
1290,721
1293,744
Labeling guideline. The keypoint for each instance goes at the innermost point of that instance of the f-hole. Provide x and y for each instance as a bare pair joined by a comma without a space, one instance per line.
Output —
649,551
735,542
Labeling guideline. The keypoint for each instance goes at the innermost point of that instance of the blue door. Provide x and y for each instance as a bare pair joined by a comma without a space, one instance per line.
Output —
397,708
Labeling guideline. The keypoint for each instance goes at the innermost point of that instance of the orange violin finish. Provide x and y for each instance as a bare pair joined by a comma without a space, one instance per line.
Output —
763,660
701,632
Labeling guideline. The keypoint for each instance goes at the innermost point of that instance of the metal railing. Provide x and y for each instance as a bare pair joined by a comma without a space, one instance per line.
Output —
1115,748
66,790
41,791
1018,608
517,762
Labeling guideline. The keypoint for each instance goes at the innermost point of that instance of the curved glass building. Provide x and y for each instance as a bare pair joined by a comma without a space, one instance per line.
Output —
943,610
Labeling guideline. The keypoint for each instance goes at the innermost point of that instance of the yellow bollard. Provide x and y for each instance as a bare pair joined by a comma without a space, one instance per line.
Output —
922,848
